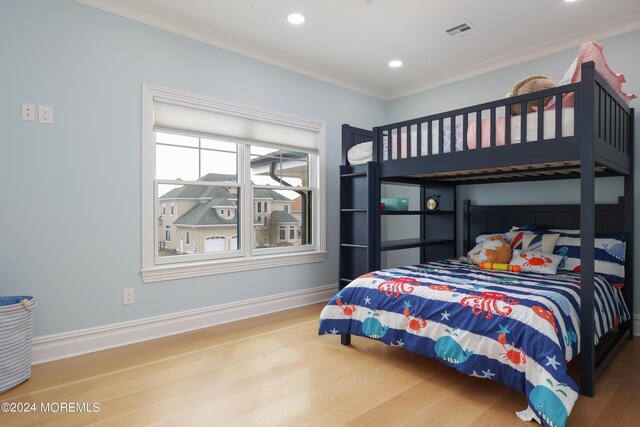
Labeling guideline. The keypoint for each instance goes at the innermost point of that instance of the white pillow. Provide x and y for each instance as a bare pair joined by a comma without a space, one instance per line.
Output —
536,262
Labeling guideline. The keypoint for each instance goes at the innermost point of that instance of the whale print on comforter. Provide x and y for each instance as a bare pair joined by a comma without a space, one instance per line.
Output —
518,329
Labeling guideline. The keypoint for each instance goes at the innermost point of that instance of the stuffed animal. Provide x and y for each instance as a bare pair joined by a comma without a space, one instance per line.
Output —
529,85
493,250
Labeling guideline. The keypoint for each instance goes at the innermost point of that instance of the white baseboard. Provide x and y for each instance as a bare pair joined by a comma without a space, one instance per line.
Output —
59,346
636,324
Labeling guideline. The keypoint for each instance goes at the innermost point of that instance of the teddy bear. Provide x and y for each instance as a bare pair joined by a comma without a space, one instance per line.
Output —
529,85
494,249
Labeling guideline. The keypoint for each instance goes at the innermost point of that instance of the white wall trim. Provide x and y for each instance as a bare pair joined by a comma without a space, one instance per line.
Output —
213,38
572,41
161,273
636,324
185,29
59,346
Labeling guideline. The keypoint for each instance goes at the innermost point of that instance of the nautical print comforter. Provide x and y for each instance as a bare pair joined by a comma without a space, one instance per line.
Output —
519,329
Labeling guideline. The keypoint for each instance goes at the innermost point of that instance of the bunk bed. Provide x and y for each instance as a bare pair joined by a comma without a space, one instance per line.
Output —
478,144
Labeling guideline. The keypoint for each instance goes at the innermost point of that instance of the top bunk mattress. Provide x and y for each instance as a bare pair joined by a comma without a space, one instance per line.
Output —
363,153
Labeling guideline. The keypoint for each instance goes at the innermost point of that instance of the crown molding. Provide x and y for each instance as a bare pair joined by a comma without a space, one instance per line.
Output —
213,38
571,41
158,20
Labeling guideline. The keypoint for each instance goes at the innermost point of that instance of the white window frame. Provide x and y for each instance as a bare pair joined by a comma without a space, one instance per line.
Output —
246,258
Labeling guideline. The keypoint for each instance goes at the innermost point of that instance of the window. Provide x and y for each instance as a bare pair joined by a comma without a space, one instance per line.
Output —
214,160
164,210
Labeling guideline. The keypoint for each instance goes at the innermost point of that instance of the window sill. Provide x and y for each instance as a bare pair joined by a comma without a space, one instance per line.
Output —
197,269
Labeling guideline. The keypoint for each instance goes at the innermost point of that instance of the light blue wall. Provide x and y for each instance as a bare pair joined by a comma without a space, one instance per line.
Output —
620,54
72,190
71,208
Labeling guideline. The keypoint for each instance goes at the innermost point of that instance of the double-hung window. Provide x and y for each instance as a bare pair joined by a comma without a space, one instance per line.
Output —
237,176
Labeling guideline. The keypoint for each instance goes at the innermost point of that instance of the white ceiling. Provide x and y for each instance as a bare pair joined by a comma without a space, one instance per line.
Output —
349,42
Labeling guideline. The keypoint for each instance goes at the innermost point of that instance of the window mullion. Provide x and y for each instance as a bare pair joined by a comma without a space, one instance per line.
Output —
244,175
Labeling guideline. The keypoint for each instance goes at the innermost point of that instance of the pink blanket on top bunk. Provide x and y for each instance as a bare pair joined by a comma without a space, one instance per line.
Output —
549,128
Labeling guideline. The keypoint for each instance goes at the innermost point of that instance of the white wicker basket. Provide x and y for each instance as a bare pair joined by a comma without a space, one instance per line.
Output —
16,334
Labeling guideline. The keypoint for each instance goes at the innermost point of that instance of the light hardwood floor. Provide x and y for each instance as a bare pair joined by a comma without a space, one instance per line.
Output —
276,370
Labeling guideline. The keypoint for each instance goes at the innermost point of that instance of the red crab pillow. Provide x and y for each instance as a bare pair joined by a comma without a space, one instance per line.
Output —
536,262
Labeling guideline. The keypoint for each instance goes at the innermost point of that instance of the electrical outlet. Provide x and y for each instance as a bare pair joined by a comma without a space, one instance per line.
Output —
45,113
28,112
127,296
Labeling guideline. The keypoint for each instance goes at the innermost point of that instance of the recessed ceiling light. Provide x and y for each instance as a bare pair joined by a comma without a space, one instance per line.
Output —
395,63
570,1
296,18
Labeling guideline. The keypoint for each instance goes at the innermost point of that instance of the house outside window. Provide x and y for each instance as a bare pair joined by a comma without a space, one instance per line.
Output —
196,158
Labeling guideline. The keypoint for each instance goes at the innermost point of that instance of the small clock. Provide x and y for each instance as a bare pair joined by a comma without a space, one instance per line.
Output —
433,202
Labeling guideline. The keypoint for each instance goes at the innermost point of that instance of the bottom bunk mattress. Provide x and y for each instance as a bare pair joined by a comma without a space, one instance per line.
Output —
520,329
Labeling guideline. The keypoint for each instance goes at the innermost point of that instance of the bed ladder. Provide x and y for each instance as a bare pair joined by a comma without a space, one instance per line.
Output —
359,224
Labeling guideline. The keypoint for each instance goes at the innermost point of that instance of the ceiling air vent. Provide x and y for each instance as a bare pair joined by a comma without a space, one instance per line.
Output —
459,30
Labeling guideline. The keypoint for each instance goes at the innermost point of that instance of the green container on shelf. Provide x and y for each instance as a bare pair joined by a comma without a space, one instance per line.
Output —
395,203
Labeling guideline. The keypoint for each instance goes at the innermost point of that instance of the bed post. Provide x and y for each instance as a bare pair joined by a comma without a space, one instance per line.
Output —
466,237
346,135
628,224
376,143
585,102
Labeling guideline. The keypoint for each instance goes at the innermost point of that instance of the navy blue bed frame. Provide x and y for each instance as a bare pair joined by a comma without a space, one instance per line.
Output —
601,145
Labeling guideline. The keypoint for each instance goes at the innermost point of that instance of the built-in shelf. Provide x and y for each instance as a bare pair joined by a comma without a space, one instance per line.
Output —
391,245
425,212
439,212
354,174
352,245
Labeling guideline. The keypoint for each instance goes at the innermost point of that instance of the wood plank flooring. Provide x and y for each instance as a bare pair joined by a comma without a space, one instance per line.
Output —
276,370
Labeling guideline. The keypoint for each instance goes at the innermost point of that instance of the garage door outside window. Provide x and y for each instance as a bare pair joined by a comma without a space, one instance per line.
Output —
214,244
